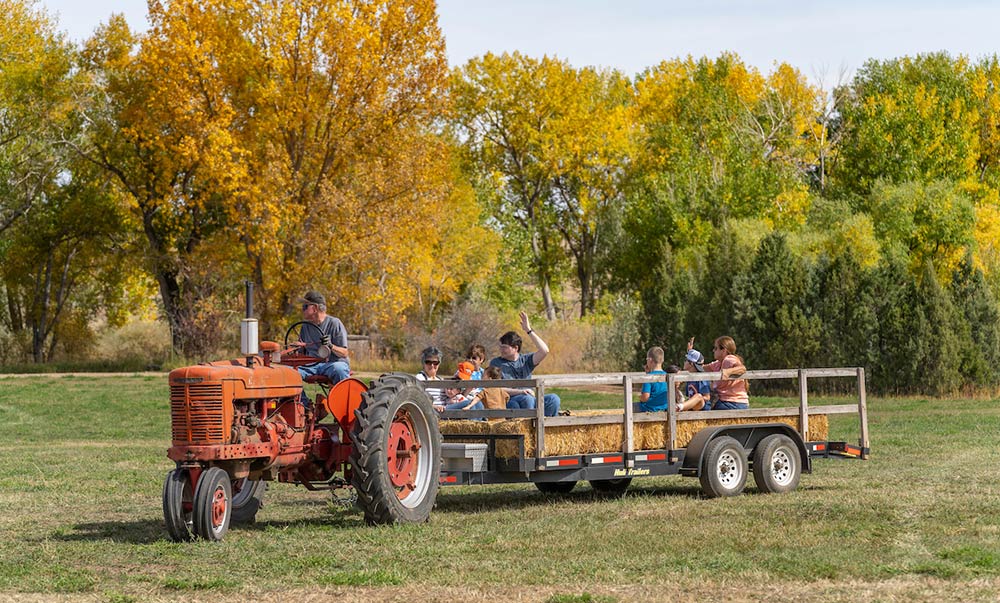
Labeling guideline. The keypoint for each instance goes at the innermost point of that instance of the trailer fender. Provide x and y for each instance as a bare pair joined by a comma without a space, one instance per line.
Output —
747,435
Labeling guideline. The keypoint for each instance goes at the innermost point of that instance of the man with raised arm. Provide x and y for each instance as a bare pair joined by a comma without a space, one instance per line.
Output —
515,365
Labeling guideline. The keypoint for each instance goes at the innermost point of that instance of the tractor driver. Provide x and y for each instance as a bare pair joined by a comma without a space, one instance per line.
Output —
327,339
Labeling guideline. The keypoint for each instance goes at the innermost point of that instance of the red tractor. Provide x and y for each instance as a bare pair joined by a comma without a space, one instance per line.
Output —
242,423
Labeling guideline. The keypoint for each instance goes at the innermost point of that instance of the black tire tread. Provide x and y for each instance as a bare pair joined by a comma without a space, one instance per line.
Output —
203,493
246,513
376,497
611,486
173,514
555,487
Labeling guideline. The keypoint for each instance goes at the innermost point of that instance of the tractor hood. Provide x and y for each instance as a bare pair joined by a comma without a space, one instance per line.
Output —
275,381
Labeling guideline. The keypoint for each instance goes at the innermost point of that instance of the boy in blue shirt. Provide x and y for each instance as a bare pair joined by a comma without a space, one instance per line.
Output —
654,395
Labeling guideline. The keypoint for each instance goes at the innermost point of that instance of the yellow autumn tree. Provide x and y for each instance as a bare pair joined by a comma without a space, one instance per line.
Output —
589,148
549,146
296,136
170,153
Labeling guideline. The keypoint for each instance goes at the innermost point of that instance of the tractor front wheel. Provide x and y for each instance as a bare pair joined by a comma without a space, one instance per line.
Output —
396,453
213,504
178,503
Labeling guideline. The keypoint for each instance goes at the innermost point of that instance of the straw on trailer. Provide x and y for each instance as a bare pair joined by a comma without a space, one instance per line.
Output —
568,440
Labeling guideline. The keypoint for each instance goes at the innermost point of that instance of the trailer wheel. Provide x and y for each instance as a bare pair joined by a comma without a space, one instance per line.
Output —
248,498
776,464
616,486
213,504
178,502
724,468
396,452
555,487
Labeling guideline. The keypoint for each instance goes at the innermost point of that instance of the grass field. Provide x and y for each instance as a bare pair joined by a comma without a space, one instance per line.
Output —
83,461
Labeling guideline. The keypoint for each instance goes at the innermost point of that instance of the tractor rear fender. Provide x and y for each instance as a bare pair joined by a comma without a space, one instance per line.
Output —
747,435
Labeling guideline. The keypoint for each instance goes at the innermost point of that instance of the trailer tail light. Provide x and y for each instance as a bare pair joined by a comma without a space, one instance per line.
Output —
659,456
562,463
196,414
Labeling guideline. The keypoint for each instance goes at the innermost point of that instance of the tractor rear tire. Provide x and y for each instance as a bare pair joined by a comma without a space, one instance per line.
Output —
555,487
248,498
396,453
724,468
213,504
178,499
776,464
615,487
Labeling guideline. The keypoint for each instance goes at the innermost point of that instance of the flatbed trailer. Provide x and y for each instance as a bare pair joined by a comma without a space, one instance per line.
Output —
721,455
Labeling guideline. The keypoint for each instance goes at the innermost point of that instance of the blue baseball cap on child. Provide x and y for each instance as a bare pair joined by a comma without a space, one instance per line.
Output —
695,358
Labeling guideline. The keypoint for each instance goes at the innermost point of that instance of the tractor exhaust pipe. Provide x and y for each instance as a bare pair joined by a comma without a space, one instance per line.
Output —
249,285
249,340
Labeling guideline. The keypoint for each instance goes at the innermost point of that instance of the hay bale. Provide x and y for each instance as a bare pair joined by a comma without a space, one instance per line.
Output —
569,440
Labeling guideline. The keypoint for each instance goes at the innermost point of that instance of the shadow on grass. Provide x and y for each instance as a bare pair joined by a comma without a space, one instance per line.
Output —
131,532
148,532
460,502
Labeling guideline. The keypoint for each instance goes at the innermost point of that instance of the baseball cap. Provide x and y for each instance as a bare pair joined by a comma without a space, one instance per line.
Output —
465,370
314,297
695,358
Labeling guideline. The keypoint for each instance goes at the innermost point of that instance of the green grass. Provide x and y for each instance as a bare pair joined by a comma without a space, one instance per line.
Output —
84,459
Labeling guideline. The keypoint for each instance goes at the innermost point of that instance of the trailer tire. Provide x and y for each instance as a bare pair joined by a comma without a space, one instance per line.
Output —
616,486
555,487
776,464
178,498
396,453
213,504
248,498
724,468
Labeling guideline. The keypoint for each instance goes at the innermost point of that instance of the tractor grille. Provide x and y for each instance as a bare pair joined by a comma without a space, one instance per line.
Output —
196,414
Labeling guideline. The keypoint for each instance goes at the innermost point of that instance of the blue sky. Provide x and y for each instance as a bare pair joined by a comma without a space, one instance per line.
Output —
820,38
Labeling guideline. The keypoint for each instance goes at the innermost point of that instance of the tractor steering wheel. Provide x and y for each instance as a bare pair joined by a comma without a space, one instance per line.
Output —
294,333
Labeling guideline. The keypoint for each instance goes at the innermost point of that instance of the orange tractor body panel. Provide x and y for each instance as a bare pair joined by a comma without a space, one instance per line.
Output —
226,411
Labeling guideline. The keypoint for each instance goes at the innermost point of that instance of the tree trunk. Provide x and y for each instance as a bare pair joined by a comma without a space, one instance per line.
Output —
550,307
14,312
43,289
544,281
586,295
170,293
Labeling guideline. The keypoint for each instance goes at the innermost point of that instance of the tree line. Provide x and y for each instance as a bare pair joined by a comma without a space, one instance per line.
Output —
328,145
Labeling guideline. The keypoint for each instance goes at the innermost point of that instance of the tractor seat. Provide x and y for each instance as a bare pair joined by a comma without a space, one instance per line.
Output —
322,379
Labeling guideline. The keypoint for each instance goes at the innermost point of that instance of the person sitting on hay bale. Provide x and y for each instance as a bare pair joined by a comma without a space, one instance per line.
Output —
514,365
430,357
697,394
493,398
653,397
728,394
461,398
